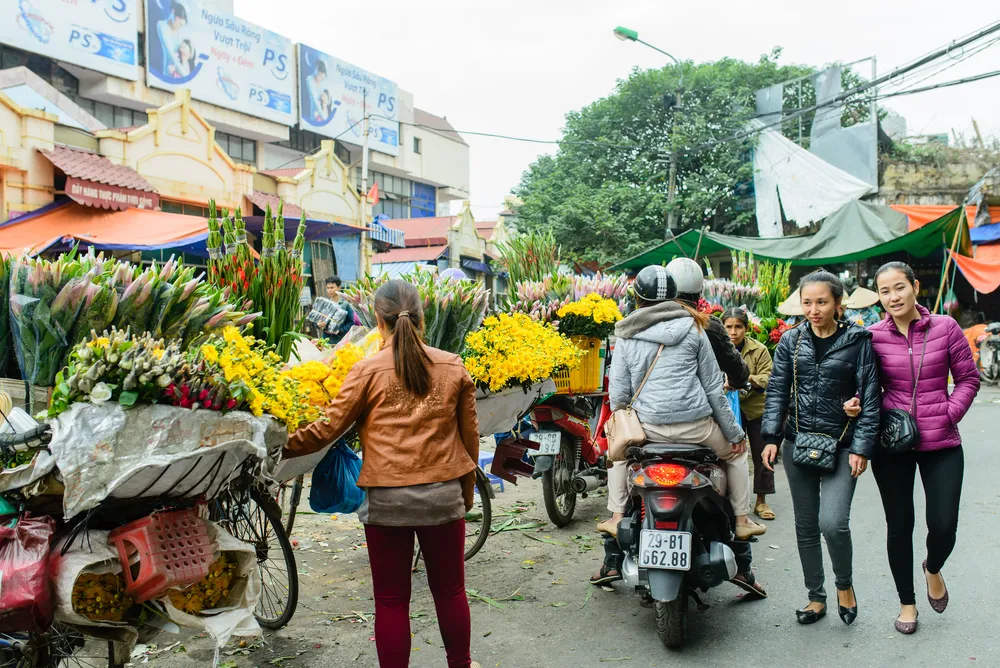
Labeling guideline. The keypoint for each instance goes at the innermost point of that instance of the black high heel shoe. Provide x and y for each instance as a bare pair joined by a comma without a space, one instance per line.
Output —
848,615
809,616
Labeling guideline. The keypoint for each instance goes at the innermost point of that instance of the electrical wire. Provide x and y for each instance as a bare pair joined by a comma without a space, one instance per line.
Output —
316,150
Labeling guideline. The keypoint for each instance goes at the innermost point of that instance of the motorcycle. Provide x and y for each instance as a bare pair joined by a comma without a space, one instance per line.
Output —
989,354
676,537
569,457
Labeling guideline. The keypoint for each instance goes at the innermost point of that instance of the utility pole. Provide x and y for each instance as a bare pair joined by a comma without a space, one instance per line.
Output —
672,183
366,250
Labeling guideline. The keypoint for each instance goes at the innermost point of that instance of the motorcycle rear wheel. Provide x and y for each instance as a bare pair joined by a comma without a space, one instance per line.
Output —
671,621
560,499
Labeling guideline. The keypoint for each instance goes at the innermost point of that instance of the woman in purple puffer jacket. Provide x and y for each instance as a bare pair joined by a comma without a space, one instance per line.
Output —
913,344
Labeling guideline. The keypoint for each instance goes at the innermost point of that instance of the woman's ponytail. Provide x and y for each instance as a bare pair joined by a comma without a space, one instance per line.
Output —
398,304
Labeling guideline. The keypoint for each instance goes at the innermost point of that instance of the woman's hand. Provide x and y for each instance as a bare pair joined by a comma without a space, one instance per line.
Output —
852,407
859,464
739,448
768,456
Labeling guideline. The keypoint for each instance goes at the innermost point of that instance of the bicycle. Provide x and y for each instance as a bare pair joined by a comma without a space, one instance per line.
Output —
61,646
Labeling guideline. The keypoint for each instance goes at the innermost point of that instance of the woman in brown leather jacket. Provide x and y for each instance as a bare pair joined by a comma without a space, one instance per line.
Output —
415,408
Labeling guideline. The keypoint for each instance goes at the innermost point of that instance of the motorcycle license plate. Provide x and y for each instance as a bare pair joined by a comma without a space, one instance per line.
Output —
549,442
670,550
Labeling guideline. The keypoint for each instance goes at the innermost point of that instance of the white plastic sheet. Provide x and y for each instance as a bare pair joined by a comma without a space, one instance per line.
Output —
809,188
498,412
105,451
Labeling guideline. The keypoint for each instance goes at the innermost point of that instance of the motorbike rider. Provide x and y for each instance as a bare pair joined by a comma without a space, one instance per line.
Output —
690,281
686,402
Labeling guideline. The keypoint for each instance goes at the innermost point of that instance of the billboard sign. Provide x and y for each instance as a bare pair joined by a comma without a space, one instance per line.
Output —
100,35
222,59
333,98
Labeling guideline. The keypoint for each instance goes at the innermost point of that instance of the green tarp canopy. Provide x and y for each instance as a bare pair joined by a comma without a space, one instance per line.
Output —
857,231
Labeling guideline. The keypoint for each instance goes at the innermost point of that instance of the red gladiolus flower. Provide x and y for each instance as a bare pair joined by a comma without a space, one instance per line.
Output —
231,404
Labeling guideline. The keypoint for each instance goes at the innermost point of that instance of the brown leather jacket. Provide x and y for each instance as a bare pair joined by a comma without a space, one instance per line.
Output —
405,440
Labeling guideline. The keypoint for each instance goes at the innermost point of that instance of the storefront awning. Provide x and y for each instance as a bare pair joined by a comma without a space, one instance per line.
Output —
93,180
66,224
982,275
857,232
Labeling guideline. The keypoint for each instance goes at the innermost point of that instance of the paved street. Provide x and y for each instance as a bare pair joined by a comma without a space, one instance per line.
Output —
550,617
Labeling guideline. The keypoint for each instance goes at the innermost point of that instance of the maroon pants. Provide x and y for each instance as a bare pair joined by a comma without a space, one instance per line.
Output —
390,550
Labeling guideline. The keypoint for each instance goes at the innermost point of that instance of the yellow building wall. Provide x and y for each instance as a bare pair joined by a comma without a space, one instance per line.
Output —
177,153
26,176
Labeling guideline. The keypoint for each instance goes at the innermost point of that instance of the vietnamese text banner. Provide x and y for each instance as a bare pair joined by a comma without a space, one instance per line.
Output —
333,98
222,59
100,35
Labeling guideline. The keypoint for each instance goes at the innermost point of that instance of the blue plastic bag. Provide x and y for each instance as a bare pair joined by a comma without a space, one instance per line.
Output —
335,482
734,403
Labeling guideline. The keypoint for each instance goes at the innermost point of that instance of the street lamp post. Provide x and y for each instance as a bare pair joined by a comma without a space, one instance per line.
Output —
626,35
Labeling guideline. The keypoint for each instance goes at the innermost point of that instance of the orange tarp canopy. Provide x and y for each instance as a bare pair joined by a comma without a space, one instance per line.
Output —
982,275
921,214
132,229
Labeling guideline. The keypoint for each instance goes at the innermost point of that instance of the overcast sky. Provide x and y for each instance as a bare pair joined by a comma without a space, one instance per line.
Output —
517,67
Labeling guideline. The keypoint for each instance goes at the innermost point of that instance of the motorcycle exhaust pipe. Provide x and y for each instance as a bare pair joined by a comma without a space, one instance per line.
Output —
582,484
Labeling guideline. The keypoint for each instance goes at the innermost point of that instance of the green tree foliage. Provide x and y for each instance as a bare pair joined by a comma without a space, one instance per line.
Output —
604,193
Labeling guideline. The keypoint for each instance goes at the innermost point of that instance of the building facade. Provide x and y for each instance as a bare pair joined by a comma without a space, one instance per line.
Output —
165,105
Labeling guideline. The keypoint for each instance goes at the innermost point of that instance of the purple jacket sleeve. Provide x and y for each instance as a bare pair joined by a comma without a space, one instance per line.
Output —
964,372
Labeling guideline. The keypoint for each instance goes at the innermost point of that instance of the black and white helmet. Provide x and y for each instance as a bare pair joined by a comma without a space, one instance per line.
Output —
655,284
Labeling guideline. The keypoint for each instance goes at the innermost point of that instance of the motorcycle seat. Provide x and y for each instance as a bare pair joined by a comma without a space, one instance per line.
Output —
689,451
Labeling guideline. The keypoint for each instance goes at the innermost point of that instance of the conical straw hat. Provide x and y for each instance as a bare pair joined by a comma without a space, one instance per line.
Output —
792,305
861,298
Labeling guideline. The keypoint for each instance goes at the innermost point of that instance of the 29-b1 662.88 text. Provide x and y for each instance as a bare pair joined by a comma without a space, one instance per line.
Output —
665,549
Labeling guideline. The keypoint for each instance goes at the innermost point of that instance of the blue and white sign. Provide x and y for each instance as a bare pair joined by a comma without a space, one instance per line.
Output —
100,35
334,96
222,59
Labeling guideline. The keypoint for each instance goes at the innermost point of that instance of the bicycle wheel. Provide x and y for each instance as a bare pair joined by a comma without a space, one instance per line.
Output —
62,646
256,519
289,496
478,520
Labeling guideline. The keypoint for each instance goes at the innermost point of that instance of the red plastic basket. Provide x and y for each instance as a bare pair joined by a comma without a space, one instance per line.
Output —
174,550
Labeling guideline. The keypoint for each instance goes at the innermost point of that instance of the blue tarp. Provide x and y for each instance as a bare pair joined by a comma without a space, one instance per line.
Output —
985,234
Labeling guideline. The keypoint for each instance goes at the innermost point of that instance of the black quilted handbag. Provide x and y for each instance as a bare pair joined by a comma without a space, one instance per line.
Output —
812,450
899,432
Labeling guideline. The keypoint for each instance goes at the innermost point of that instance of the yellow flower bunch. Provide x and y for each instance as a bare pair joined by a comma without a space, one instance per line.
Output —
512,349
594,316
101,597
210,591
252,373
322,380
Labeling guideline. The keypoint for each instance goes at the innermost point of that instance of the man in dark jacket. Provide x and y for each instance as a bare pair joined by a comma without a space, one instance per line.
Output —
690,280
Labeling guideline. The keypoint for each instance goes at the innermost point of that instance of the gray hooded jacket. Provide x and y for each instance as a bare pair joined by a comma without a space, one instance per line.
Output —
685,385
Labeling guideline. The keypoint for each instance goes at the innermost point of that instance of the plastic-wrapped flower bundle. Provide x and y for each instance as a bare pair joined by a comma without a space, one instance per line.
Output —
5,344
542,300
271,284
101,597
210,591
452,307
117,366
731,295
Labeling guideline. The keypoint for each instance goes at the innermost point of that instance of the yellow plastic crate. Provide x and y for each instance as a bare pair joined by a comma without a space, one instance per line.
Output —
589,376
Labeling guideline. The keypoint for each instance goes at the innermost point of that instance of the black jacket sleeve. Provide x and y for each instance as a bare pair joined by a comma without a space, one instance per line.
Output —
867,429
726,354
779,390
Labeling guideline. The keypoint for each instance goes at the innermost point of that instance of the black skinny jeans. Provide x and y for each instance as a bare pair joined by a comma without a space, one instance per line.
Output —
941,473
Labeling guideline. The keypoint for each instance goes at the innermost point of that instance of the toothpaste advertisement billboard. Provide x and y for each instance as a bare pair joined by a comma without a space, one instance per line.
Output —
222,59
100,35
334,96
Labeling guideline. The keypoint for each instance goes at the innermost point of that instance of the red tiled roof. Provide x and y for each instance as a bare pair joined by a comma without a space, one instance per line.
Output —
261,200
486,228
424,231
423,254
287,173
79,164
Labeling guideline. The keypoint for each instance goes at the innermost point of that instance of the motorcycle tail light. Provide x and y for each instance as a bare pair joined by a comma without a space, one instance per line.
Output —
665,525
668,475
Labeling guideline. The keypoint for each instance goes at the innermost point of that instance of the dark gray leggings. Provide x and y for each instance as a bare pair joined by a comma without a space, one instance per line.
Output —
822,504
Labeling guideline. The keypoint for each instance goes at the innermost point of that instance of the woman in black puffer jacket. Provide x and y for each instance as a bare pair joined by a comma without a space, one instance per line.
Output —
818,367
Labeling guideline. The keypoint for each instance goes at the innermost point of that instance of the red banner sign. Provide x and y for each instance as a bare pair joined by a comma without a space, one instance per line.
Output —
104,196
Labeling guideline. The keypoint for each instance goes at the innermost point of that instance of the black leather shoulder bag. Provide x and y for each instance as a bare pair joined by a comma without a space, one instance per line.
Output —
899,432
812,450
